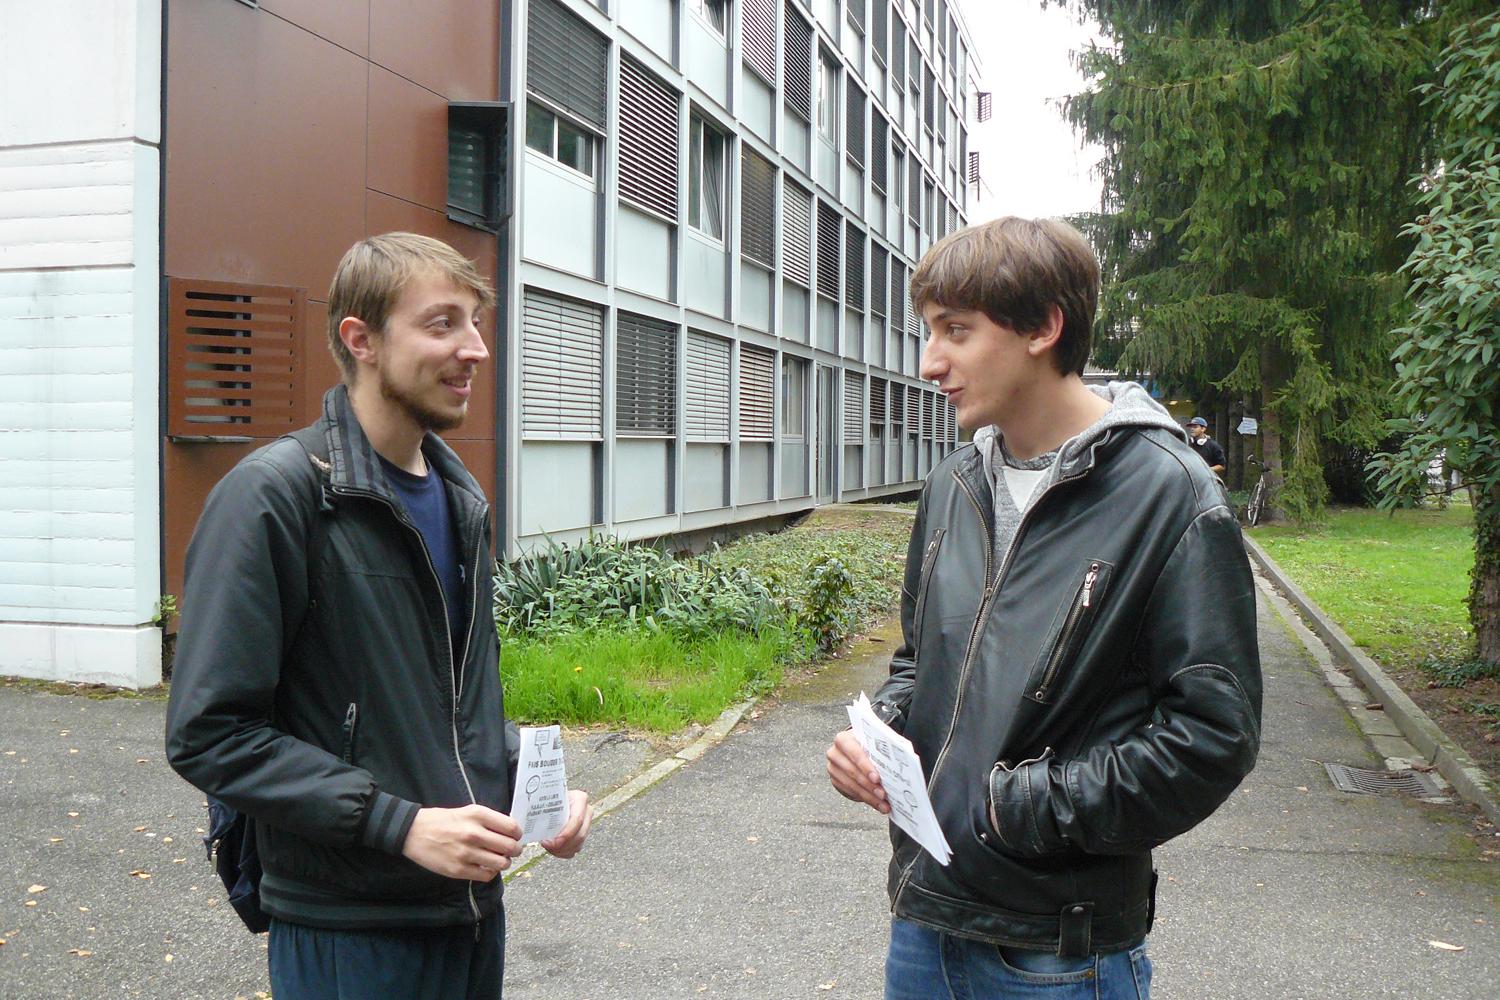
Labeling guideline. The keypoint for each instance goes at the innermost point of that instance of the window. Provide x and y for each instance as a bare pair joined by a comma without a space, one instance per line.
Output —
757,207
828,98
645,377
705,178
757,372
854,266
706,417
562,368
854,408
758,36
567,62
712,11
793,397
476,158
797,226
898,180
879,158
829,229
854,138
648,140
797,55
552,135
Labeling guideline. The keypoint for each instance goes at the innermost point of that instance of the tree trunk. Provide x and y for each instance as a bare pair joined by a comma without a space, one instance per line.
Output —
1234,447
1275,371
1484,589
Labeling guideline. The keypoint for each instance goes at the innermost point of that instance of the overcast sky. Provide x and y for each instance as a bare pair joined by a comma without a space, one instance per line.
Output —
1029,159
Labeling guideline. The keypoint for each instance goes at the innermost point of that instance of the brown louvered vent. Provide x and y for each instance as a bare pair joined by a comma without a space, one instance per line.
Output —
233,359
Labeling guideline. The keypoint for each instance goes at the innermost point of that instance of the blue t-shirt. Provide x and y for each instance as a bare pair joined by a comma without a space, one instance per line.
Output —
426,501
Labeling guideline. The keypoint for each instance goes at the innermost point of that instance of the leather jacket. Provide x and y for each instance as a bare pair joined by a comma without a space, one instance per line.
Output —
1097,694
316,688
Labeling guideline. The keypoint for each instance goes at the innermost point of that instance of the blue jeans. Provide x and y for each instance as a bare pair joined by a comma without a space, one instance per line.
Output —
428,963
924,964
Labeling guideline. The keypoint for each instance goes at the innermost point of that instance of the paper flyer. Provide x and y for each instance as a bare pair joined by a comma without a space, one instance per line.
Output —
540,804
901,774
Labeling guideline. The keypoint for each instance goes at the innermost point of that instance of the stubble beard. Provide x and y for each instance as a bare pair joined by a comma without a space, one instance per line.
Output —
423,416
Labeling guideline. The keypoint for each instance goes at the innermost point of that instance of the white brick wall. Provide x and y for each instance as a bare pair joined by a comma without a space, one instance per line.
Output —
80,91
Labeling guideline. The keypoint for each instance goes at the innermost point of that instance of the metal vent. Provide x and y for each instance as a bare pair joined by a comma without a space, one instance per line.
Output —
1364,781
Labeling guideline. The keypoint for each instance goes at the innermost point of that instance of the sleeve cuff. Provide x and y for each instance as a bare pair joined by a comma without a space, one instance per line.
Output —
387,821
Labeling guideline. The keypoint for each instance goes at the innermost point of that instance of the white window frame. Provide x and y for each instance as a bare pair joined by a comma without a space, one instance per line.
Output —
713,13
700,209
827,112
558,121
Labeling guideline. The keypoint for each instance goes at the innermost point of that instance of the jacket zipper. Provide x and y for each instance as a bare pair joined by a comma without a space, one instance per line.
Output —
984,606
1081,602
350,718
453,674
922,578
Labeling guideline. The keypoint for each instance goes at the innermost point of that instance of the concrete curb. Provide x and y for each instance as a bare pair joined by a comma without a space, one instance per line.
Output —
711,737
1451,762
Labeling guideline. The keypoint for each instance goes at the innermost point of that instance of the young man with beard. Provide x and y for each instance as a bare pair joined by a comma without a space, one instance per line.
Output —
336,677
1071,706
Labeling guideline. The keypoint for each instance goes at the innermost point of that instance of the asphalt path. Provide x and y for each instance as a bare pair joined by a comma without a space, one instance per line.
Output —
742,874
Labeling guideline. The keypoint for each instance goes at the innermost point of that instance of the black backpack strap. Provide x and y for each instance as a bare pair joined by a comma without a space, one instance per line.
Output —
313,442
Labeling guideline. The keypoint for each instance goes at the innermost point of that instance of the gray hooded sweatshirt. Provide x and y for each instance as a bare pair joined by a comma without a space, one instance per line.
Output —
1130,406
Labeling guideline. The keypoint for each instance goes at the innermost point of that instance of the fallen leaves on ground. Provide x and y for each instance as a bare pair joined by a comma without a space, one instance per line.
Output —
36,888
1445,946
139,873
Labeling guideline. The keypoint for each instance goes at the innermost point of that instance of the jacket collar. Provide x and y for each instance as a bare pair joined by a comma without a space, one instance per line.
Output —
355,465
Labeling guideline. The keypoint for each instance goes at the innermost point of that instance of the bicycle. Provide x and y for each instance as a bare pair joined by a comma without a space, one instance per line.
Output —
1259,493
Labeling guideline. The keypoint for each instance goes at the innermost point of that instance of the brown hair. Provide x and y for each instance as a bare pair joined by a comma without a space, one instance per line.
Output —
1013,270
373,273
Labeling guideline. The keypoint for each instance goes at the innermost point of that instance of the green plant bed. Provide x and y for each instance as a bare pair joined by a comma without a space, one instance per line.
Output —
1396,582
657,681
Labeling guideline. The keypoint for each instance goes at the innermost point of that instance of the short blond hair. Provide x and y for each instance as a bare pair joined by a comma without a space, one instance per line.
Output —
1014,270
374,272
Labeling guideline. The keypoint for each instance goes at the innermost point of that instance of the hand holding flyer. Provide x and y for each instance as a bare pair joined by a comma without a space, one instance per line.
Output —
540,802
901,774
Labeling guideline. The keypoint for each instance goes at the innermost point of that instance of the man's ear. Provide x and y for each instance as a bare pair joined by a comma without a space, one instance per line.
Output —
1045,337
358,338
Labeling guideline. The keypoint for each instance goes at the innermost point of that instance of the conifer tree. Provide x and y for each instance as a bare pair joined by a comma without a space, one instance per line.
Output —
1256,158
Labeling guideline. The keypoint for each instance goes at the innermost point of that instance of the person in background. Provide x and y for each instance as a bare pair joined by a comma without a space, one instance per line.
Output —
1208,448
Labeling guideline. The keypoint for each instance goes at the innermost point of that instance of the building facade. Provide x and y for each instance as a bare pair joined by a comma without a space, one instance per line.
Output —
701,216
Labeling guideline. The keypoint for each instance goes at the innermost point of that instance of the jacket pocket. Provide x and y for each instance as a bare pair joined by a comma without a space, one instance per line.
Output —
924,583
351,720
1077,619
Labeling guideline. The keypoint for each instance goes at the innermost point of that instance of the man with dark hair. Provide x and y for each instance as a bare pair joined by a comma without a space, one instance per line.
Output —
1208,449
336,676
1070,706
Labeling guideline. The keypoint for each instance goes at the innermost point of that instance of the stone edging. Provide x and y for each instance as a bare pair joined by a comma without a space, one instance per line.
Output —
711,737
1430,741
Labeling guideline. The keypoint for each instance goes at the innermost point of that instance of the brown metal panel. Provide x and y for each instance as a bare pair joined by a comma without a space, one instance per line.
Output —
408,141
265,152
232,359
343,22
191,470
388,214
319,371
479,458
451,48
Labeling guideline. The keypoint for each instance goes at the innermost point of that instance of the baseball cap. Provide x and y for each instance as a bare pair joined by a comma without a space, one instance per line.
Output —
1198,421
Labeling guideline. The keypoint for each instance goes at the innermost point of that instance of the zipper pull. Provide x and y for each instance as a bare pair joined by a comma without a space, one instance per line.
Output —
1088,584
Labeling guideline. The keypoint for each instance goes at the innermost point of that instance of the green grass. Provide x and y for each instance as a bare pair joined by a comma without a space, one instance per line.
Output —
644,680
1396,582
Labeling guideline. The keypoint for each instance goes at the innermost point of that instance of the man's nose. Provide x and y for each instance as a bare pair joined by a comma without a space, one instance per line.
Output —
473,349
933,365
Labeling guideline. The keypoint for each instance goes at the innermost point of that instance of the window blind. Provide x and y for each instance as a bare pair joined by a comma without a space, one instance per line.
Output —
828,250
854,266
758,18
706,414
645,376
757,207
796,64
567,61
757,393
854,408
796,225
562,365
648,140
878,261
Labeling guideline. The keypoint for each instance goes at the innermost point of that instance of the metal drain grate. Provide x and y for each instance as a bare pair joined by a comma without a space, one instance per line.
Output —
1363,781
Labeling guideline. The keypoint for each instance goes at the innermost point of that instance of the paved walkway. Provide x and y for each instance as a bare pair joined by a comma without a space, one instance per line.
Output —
744,875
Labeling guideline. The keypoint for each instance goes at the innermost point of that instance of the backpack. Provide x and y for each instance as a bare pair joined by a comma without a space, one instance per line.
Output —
230,841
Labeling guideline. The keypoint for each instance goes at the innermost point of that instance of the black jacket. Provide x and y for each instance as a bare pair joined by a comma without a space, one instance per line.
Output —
1101,689
324,700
